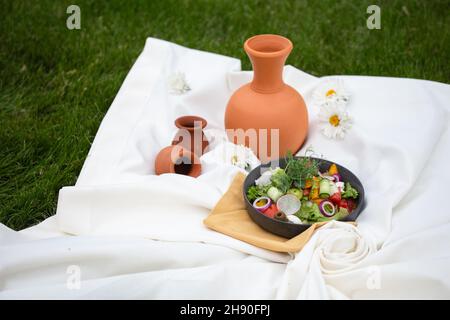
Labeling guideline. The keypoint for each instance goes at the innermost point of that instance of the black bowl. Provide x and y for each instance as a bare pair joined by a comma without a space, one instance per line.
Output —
290,230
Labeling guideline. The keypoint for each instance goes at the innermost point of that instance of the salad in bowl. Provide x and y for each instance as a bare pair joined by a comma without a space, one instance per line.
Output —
287,199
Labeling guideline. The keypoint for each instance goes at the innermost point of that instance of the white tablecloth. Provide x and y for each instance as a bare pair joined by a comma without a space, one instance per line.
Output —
122,232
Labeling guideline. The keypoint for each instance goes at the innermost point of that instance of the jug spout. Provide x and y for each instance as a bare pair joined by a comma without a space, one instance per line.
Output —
268,53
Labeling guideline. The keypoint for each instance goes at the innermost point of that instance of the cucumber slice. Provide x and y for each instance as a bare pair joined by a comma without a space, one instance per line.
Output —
324,188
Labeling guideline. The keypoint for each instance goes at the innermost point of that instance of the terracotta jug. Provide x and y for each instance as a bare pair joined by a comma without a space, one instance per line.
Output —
190,134
176,159
267,102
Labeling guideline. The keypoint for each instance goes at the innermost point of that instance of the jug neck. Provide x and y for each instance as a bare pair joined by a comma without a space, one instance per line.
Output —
268,53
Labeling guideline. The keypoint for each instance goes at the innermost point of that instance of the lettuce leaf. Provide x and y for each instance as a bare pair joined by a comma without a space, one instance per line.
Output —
349,192
281,180
255,192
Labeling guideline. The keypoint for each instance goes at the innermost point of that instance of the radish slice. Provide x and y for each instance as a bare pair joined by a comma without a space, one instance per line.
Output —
327,208
289,204
262,203
337,177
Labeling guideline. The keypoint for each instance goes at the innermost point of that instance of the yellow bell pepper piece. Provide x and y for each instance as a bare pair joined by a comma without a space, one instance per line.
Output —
314,189
308,183
333,170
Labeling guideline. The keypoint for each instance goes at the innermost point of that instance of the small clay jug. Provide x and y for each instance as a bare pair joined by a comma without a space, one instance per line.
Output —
267,102
176,159
190,134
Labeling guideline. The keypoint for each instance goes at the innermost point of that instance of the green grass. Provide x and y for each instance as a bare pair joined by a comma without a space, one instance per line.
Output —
57,84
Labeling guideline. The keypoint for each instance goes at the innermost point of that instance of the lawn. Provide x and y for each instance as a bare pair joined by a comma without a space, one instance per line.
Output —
56,84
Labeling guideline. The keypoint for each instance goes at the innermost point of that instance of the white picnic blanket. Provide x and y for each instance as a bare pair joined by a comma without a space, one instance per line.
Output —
122,232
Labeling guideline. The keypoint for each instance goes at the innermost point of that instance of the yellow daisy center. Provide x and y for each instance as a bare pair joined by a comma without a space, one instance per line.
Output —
334,120
330,93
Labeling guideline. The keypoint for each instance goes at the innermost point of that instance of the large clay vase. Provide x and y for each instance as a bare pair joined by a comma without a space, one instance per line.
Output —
176,159
190,134
267,102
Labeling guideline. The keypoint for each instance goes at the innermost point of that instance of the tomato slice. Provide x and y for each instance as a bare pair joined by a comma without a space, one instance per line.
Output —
343,204
271,211
351,205
335,198
348,204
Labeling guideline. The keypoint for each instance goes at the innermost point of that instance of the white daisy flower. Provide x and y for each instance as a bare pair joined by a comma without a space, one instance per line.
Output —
331,91
242,157
231,154
335,121
177,83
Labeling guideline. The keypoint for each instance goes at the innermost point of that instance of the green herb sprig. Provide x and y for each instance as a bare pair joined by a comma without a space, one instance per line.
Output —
301,169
